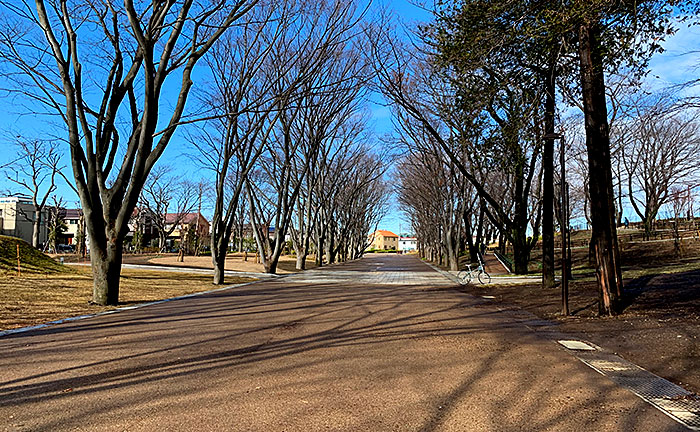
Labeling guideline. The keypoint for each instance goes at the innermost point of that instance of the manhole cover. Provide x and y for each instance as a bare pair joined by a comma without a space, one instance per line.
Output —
576,345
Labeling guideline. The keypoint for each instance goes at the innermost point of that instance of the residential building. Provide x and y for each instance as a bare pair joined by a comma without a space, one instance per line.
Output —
17,217
408,244
384,240
142,221
72,219
185,222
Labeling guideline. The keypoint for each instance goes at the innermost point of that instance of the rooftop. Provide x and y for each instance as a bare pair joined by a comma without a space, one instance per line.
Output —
385,233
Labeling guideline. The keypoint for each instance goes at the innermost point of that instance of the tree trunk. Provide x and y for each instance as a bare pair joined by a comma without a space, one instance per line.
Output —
218,250
36,227
452,257
301,262
272,261
271,264
521,251
548,186
161,242
330,256
319,251
106,260
608,272
471,247
451,242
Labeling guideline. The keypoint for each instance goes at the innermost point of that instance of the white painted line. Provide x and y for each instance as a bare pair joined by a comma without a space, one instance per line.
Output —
503,264
23,329
576,345
489,297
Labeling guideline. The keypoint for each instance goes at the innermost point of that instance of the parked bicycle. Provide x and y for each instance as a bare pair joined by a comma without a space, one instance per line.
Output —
479,273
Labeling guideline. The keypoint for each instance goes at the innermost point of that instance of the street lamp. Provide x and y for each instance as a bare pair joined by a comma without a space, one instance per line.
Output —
564,225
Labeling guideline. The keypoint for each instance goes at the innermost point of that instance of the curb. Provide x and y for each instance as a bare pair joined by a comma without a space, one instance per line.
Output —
197,270
121,309
266,278
502,263
672,400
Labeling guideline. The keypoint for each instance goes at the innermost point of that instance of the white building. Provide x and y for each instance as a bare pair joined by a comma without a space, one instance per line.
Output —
17,217
408,244
72,219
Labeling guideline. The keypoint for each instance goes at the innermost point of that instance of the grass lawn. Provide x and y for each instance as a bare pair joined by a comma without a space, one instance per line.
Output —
36,298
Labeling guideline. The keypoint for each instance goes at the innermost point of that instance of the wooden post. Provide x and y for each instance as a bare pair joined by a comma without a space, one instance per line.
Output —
19,268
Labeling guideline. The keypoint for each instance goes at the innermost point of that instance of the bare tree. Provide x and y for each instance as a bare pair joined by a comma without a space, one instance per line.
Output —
245,105
263,73
436,196
499,126
106,81
56,224
360,203
168,199
679,199
660,154
36,170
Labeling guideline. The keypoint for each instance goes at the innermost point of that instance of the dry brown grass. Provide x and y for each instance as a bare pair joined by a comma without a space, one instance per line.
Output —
39,298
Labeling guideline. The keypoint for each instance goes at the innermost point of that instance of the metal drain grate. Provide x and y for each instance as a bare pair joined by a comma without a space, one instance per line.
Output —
675,401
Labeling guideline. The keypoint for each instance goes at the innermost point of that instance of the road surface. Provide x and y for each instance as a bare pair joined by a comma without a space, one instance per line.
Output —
380,344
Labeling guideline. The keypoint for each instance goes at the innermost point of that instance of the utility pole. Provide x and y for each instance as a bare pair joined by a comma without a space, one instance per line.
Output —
564,234
564,225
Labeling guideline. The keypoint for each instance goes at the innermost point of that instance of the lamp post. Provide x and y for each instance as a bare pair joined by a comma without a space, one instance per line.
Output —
564,225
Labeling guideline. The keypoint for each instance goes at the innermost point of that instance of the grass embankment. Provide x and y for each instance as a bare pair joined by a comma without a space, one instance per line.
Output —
48,291
31,260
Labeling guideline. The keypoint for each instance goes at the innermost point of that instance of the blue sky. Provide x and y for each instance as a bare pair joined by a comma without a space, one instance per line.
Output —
674,66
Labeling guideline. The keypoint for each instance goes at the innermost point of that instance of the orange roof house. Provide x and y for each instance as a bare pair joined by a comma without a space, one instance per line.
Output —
384,240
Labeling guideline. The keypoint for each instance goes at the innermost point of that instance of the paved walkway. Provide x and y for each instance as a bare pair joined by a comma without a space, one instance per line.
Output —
378,344
493,266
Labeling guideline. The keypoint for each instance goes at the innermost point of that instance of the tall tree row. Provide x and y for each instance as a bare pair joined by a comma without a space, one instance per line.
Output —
490,71
274,82
286,104
102,68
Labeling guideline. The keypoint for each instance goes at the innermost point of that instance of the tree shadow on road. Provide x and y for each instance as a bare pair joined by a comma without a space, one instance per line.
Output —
466,364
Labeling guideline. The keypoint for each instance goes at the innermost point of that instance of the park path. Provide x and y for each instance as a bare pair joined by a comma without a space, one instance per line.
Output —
493,266
382,343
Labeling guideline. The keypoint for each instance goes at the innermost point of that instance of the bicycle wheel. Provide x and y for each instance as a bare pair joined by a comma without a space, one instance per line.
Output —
484,277
464,277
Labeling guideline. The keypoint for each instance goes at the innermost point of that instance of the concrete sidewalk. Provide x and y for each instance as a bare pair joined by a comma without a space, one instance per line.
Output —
354,347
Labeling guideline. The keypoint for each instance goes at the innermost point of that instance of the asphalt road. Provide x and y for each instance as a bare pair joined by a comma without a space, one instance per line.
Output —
383,343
